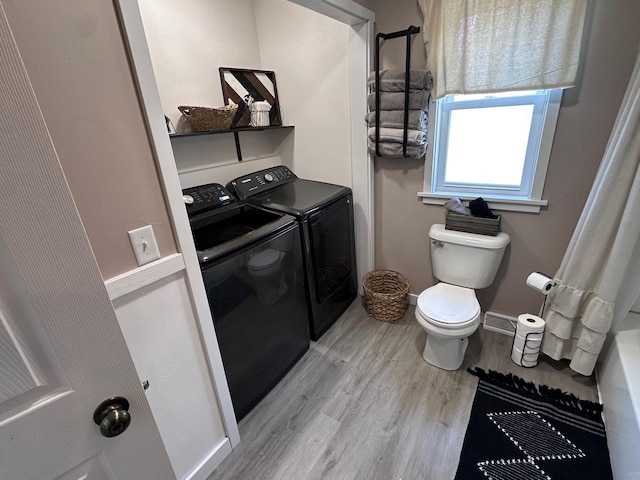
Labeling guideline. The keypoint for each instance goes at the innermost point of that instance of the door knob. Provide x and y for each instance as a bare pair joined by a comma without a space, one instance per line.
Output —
113,416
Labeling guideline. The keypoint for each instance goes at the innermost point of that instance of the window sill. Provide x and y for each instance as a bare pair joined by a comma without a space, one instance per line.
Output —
495,203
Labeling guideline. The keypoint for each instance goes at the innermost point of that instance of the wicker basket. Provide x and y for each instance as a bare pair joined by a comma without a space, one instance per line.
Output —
385,294
205,119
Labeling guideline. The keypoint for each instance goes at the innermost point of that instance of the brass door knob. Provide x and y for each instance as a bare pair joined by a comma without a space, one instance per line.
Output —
112,416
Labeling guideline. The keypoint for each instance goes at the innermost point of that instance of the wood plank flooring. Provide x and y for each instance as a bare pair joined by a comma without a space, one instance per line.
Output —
363,404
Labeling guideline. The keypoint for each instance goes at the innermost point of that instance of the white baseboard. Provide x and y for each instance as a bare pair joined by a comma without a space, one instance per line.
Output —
210,462
413,299
145,275
499,323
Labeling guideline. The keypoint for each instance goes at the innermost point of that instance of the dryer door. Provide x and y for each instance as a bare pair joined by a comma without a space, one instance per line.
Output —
333,265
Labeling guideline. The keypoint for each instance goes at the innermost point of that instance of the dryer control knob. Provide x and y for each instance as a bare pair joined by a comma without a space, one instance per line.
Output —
188,199
268,177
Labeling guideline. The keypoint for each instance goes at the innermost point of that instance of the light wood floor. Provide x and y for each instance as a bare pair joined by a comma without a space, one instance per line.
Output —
363,404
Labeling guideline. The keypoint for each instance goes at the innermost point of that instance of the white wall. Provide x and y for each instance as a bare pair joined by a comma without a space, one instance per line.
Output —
160,329
309,53
188,41
212,158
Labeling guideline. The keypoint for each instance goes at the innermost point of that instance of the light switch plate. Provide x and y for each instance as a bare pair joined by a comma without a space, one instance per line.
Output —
144,244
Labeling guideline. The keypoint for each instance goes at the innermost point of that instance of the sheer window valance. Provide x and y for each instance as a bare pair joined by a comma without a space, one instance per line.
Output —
481,46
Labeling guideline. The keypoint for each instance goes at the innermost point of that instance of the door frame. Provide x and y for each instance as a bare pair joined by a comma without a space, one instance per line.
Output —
361,23
145,80
360,20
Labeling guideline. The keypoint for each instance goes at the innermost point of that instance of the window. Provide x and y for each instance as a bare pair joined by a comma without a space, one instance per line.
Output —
492,145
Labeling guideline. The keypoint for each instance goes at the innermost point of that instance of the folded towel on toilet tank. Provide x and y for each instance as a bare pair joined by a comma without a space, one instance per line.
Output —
394,80
418,100
395,119
396,135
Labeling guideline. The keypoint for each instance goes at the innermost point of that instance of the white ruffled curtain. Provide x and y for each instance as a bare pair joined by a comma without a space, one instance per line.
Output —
488,46
591,274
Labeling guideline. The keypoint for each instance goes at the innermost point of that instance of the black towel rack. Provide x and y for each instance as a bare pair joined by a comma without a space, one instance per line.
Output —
387,36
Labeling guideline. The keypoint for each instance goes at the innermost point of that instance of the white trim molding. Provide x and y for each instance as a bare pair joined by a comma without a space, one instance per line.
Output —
362,172
132,280
514,203
144,76
495,203
345,11
203,470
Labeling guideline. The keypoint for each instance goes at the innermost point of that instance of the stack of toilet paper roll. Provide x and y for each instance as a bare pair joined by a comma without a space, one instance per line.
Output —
528,339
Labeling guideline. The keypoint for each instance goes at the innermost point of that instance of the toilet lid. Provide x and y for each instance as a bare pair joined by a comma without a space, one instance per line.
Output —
449,304
264,259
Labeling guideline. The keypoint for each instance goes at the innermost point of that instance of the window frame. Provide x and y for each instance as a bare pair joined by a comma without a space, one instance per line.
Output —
524,199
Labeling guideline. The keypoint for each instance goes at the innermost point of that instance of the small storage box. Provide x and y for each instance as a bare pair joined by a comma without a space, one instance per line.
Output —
470,224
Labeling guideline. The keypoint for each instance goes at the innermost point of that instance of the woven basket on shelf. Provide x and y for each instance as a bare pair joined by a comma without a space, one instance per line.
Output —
385,294
205,119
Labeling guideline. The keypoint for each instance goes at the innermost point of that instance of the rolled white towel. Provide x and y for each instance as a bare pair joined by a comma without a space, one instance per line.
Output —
395,150
418,100
394,80
455,205
395,119
396,135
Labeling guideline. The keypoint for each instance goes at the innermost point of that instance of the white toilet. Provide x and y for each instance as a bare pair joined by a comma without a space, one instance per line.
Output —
449,311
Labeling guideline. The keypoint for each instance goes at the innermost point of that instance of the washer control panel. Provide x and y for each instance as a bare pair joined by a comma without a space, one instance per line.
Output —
205,197
261,181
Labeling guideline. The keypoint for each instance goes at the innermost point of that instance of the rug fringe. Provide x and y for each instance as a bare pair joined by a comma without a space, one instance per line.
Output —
543,392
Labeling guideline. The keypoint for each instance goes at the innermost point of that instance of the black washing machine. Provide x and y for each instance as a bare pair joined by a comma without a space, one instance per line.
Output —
325,214
253,271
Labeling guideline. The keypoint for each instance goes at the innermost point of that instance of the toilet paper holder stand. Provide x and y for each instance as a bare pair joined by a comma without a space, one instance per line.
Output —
526,342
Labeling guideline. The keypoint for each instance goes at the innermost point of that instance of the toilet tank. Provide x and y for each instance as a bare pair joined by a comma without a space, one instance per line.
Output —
466,259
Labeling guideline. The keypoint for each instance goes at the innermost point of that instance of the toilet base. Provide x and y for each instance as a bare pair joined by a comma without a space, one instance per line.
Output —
445,353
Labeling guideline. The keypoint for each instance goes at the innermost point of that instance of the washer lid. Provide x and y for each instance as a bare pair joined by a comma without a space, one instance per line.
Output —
449,304
300,197
264,259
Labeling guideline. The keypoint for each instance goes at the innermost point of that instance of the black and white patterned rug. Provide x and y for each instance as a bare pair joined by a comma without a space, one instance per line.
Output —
520,431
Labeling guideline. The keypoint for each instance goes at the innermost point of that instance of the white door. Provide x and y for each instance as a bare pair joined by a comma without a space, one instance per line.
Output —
61,350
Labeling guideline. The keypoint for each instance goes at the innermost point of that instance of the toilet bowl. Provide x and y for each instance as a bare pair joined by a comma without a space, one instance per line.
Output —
449,314
266,270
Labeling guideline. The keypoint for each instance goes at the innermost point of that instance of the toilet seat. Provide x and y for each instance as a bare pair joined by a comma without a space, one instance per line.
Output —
448,306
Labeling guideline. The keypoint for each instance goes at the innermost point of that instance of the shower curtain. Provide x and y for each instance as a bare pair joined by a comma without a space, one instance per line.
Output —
580,308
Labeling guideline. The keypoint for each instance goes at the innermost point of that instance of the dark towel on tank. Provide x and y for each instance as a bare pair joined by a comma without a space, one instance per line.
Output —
480,208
